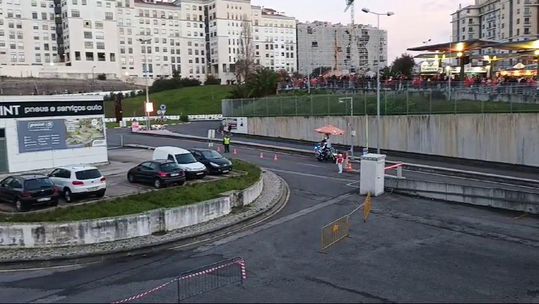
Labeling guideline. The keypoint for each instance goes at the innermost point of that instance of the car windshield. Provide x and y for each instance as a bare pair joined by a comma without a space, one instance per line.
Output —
37,184
211,154
88,174
186,158
169,167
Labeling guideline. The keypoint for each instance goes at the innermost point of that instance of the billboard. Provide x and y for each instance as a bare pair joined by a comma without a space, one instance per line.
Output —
60,134
51,108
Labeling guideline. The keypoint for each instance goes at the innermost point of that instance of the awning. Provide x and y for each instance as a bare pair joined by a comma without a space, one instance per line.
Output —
454,47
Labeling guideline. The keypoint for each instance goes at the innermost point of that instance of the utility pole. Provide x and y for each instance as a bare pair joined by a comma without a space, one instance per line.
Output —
143,41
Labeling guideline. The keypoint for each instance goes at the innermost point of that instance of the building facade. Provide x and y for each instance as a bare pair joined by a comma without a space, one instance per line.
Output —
342,48
134,39
497,20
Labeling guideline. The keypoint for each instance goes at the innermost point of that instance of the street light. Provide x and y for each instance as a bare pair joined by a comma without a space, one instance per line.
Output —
345,99
389,14
145,72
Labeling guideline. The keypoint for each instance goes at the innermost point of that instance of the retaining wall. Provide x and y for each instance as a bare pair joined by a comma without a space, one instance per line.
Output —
507,138
490,197
124,227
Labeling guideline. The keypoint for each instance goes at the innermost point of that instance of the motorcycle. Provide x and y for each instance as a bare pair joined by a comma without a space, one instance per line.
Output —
329,154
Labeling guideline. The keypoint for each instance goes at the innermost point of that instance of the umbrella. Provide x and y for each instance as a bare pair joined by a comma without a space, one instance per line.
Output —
330,129
519,66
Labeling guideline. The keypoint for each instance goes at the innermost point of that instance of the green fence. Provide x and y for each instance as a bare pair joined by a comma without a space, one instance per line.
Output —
391,103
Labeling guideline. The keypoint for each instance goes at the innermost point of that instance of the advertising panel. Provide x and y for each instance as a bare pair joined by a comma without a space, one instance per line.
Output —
50,108
59,134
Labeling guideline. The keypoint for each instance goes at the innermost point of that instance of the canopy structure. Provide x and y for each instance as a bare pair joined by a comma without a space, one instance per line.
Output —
454,47
330,129
519,46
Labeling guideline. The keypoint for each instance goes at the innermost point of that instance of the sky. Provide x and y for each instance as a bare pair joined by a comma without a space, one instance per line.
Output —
414,21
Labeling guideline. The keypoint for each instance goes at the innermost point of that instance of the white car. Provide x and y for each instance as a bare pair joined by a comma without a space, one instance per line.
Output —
81,180
184,159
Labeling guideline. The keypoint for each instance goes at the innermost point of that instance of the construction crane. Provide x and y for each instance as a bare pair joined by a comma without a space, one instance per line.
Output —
350,6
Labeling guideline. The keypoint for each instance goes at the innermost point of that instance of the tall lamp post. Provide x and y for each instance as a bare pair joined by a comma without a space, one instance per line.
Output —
368,11
345,99
93,78
146,104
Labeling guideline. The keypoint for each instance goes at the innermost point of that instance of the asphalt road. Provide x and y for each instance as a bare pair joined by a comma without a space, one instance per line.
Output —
409,250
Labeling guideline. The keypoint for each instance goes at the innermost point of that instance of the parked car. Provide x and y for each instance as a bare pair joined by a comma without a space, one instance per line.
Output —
79,181
26,191
159,173
184,159
213,160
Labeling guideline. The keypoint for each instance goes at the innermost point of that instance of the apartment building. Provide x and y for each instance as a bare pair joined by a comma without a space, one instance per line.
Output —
134,39
497,20
343,48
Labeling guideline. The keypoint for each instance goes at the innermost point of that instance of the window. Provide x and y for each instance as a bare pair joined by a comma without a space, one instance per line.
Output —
77,55
87,35
101,57
109,16
100,45
75,13
89,56
314,44
112,57
99,25
88,45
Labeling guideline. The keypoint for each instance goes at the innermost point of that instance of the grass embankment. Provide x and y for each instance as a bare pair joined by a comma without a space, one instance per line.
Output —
167,198
187,101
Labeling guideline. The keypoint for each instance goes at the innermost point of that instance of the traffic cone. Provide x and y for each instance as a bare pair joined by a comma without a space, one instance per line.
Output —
235,152
261,155
219,149
275,158
349,166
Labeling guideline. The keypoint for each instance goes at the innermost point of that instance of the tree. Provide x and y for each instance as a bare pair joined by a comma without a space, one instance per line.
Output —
403,66
263,82
245,65
320,71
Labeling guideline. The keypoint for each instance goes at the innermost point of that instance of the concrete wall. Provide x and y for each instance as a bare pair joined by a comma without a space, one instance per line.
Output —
491,197
123,227
508,138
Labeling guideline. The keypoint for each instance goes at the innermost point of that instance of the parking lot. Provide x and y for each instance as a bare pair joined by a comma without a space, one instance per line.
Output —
120,161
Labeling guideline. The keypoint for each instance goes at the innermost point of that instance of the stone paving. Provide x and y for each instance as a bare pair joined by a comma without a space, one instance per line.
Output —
274,190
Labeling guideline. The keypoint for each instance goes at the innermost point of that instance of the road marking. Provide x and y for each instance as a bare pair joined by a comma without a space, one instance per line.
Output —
316,166
276,222
47,268
50,299
309,175
352,184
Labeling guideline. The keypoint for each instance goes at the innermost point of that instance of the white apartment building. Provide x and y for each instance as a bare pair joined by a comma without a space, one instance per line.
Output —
342,48
497,20
134,39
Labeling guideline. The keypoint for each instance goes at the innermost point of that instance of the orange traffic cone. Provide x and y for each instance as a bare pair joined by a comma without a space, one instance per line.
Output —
235,152
261,155
275,158
349,166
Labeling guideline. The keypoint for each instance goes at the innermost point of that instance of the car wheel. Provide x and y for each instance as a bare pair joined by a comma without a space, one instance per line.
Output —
19,205
101,193
68,195
131,178
157,183
54,203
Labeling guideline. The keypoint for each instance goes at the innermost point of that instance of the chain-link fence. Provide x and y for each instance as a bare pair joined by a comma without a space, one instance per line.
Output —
400,102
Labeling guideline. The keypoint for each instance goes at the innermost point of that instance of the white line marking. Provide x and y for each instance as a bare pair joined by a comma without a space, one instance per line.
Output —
47,268
309,175
276,222
309,165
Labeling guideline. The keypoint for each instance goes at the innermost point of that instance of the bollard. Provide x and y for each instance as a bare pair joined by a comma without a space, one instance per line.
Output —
399,172
122,140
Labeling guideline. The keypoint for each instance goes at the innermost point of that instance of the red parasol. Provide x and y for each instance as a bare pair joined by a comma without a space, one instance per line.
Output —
330,129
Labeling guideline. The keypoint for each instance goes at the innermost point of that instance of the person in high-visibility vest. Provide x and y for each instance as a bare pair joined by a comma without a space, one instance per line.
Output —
226,143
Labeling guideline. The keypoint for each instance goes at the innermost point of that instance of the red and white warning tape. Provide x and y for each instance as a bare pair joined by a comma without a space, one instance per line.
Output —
241,263
144,294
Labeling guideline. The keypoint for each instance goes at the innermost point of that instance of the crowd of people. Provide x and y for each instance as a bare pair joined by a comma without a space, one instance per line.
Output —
366,83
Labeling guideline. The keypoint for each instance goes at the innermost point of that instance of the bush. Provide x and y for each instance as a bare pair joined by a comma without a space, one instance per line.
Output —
212,80
184,118
132,94
101,77
173,83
